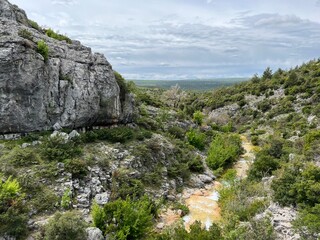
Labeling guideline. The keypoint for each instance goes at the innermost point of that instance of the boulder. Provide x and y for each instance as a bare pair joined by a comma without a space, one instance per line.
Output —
102,198
94,234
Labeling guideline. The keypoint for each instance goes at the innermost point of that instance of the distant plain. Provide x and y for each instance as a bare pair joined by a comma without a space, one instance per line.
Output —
190,84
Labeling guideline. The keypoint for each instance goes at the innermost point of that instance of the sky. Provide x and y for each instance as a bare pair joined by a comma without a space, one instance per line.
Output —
188,39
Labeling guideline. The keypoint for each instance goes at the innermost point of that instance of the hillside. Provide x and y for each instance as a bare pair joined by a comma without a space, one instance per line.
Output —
179,140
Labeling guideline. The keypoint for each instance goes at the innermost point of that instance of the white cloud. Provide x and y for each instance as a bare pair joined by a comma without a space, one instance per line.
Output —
188,39
64,2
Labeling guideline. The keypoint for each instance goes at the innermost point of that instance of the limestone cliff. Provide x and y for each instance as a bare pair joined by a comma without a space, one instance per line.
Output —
73,87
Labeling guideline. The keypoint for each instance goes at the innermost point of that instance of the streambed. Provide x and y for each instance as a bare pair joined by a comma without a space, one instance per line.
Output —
203,203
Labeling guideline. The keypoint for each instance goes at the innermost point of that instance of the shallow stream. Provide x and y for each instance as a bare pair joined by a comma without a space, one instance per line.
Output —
203,203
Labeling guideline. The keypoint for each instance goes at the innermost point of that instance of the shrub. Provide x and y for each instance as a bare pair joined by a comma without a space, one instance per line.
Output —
143,134
239,199
198,117
65,226
196,165
196,139
308,222
99,217
122,85
58,149
66,199
43,50
261,229
25,34
179,170
117,134
78,167
177,132
127,219
179,206
13,213
230,175
34,25
123,187
21,157
263,166
297,184
196,232
224,150
45,200
57,36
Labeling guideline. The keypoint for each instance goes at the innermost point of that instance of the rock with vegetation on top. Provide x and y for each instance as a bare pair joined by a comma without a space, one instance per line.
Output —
62,84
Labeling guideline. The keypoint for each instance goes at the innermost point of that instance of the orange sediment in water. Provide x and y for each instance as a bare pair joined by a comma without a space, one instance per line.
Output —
203,206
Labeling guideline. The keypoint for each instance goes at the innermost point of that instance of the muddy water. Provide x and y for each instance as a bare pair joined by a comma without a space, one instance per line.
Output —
203,203
203,206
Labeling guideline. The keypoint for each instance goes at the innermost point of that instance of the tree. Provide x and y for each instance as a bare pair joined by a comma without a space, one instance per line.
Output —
174,96
267,74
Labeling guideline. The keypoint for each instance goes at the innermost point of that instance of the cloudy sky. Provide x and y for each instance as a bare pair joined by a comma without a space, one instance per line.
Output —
187,39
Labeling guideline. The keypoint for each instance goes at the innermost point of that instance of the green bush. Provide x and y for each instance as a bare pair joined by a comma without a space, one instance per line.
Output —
308,222
99,218
57,36
177,132
198,117
77,167
21,157
45,200
43,49
122,85
179,206
58,149
13,213
126,219
239,200
179,170
196,165
66,199
224,150
196,232
263,166
143,134
65,226
196,139
118,134
297,184
123,187
34,25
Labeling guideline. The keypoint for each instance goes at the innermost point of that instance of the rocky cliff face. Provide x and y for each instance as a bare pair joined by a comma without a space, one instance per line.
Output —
74,87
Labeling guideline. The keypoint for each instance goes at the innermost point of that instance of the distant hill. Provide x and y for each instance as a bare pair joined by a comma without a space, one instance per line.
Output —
191,84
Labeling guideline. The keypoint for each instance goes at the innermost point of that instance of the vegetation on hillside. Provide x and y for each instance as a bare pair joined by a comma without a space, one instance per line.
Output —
174,136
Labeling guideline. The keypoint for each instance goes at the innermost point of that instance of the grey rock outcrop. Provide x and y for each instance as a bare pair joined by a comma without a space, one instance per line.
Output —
94,234
281,219
74,88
